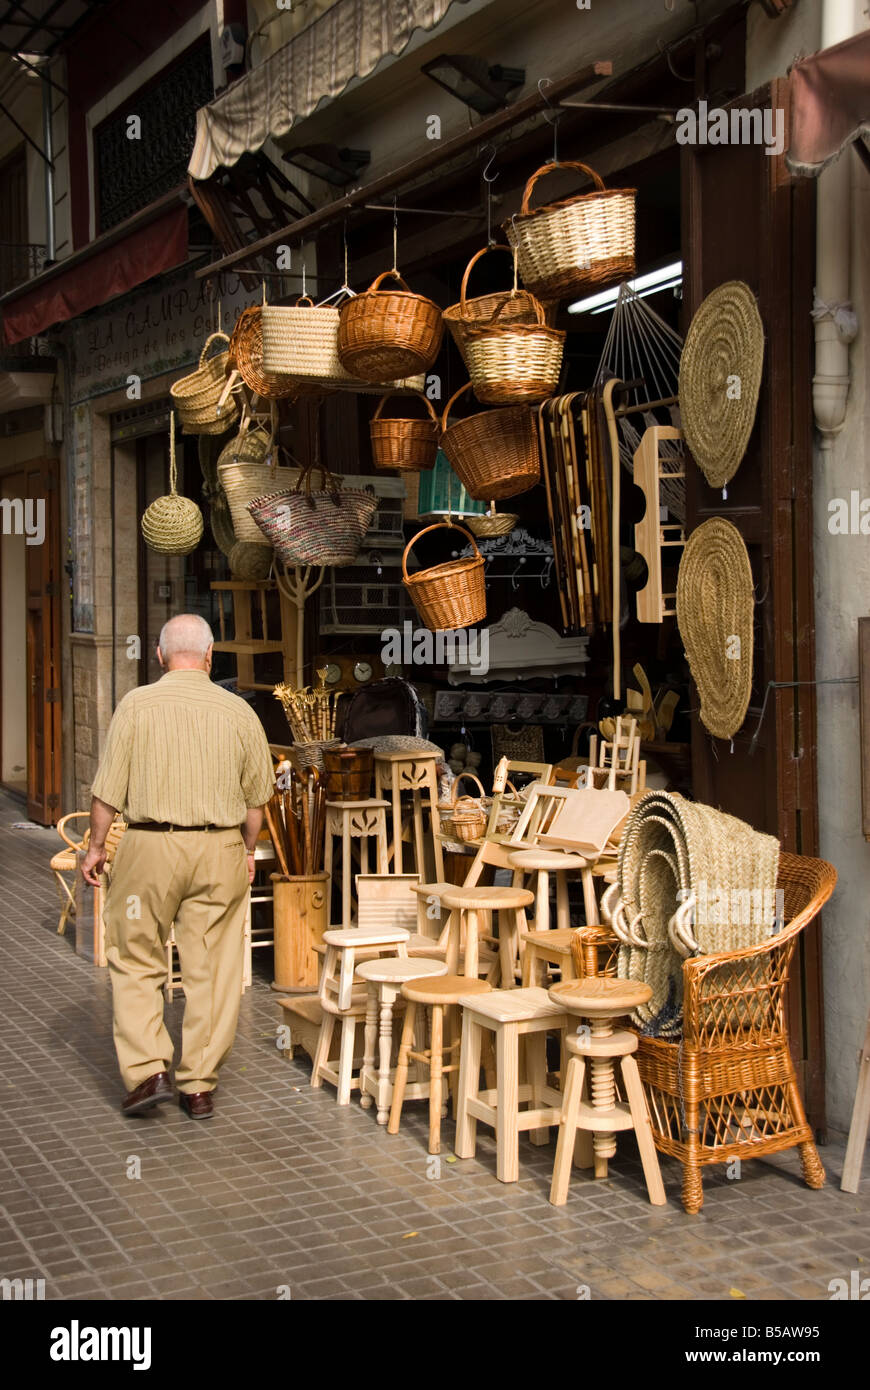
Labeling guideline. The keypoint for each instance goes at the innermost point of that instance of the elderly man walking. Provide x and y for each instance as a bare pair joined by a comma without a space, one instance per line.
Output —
188,765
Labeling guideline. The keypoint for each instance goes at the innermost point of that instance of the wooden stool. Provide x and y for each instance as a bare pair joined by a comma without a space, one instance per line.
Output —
385,979
416,773
466,906
339,1000
542,863
438,995
355,820
543,948
510,1014
601,1000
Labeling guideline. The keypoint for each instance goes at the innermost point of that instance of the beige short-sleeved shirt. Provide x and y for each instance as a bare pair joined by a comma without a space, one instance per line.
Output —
186,751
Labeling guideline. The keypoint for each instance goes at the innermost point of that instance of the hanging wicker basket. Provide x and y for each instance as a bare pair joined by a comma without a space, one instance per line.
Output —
385,334
493,524
205,399
247,468
514,362
246,353
494,454
407,444
450,595
568,246
172,525
514,306
300,342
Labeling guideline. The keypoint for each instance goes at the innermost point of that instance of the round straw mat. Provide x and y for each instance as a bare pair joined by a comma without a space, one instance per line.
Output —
715,608
720,374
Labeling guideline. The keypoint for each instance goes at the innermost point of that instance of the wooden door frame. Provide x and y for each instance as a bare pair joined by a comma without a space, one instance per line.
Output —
45,807
9,478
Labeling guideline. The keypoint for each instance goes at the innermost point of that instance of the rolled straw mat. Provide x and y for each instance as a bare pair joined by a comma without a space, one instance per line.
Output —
715,610
720,375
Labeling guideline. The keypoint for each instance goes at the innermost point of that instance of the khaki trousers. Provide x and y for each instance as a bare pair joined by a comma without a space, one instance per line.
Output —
198,880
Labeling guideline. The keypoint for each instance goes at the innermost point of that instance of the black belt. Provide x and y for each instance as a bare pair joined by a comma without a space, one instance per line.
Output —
169,825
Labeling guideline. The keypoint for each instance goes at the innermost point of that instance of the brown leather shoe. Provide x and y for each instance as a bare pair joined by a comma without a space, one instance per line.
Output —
149,1093
197,1104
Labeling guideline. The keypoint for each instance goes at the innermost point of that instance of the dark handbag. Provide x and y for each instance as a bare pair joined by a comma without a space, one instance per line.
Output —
386,707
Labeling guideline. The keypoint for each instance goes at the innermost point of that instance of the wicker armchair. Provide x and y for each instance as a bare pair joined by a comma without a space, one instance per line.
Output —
728,1088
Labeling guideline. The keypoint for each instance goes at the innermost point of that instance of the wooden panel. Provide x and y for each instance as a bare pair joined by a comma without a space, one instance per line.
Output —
43,588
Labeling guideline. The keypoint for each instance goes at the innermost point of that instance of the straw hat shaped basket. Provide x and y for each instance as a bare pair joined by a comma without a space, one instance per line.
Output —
452,594
246,353
172,525
514,362
466,815
407,443
494,454
204,400
513,306
568,246
385,334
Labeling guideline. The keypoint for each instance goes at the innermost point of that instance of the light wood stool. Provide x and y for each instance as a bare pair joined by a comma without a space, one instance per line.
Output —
509,1014
466,907
339,1001
543,948
416,773
542,863
601,1000
355,820
438,995
385,979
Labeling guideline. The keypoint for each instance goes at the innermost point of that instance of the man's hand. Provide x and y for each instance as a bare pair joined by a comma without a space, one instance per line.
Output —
93,864
251,866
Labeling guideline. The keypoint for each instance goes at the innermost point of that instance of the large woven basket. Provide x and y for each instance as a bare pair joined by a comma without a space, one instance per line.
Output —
204,400
407,444
494,454
450,595
568,246
246,353
248,468
325,527
385,334
513,306
300,341
514,362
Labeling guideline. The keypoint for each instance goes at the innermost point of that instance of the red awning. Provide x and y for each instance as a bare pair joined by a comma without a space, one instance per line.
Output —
67,291
830,105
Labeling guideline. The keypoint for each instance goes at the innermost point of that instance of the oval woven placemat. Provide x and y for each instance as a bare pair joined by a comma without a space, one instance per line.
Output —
715,609
720,376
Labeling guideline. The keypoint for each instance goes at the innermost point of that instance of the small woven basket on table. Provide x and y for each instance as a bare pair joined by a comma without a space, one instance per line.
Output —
246,353
204,399
465,816
450,595
408,444
586,240
494,454
514,362
172,525
513,306
386,334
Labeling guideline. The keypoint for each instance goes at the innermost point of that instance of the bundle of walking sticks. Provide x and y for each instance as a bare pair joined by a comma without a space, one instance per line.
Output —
296,819
310,712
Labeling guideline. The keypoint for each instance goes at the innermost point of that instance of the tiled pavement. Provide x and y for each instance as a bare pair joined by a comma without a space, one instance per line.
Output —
285,1190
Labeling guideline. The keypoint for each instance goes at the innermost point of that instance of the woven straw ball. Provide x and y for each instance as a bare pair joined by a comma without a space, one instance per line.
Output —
720,377
172,525
250,561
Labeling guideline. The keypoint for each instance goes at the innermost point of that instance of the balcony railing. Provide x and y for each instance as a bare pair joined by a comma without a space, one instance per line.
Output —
19,262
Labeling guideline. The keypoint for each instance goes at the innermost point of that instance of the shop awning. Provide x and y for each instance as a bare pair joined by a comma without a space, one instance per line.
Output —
109,266
348,41
830,105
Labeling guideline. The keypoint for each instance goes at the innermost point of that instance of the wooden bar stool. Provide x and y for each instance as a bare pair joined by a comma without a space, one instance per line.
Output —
543,948
340,1001
385,979
509,1014
437,995
416,773
541,863
355,820
466,907
600,1000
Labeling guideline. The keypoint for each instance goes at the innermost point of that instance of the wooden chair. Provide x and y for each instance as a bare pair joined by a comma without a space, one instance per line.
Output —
341,1003
728,1088
66,861
619,757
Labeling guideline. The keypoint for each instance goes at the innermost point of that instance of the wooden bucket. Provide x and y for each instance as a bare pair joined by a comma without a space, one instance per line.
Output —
348,773
300,908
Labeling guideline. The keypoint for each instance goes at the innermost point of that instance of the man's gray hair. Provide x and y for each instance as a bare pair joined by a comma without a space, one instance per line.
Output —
188,634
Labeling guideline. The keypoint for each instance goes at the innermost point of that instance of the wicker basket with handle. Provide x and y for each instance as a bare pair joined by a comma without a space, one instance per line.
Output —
494,454
248,468
450,595
246,353
300,341
515,305
465,815
407,443
568,246
324,527
385,334
205,399
514,362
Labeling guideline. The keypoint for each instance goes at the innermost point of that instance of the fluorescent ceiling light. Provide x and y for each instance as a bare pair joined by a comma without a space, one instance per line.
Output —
662,279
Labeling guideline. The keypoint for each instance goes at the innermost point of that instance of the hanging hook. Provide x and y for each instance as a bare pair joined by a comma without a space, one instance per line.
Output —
395,233
489,180
345,286
552,115
485,174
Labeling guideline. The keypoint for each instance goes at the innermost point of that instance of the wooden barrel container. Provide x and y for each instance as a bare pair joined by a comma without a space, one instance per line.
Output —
348,773
300,908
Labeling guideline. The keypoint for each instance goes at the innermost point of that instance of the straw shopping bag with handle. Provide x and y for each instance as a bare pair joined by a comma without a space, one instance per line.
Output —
581,241
204,400
449,595
325,527
408,444
513,306
387,334
247,468
514,362
494,454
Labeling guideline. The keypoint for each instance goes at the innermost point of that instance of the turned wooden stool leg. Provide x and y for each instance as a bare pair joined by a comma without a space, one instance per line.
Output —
573,1090
542,901
371,1034
397,819
401,1077
469,1087
388,999
563,911
507,1134
536,1076
602,1091
436,1079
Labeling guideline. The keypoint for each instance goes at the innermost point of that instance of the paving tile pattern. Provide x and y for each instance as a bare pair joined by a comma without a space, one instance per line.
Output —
283,1194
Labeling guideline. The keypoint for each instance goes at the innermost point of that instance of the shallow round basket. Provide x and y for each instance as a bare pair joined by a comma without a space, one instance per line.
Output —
498,524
